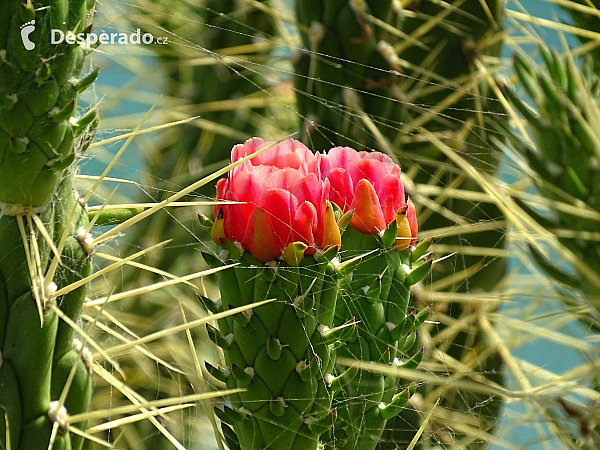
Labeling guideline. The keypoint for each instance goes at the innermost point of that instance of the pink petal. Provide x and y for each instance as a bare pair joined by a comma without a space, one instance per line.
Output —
305,221
411,215
247,148
260,239
342,188
307,187
342,156
280,205
368,169
236,217
221,187
391,196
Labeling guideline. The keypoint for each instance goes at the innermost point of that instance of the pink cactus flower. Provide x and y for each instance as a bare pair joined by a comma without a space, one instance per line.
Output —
368,183
284,201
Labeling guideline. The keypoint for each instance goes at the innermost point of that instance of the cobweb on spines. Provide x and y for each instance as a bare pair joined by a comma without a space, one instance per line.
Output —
334,108
238,65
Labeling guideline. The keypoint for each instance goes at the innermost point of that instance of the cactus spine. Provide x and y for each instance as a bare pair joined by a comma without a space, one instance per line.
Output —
39,140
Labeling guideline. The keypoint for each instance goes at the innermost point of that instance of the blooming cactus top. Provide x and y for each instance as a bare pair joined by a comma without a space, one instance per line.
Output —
285,201
285,192
368,183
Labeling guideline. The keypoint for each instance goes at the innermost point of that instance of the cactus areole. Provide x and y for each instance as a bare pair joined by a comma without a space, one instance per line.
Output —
282,221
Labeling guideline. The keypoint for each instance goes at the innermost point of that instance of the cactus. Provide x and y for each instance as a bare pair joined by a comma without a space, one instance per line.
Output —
382,231
284,239
280,352
344,54
359,56
222,26
374,75
565,167
283,352
40,216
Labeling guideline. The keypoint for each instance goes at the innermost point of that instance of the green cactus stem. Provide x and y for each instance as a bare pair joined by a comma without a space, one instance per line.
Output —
40,214
565,168
282,353
39,135
377,296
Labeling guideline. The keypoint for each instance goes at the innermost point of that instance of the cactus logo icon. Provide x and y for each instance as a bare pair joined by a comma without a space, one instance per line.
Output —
26,29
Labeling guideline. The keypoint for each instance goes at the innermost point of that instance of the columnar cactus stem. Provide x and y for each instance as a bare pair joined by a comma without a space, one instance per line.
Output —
346,53
283,233
39,216
375,294
386,335
282,353
566,168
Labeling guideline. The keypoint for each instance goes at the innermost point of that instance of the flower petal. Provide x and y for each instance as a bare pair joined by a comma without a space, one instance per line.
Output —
235,218
260,239
342,189
369,169
411,215
342,157
368,217
391,196
247,148
280,205
305,221
221,187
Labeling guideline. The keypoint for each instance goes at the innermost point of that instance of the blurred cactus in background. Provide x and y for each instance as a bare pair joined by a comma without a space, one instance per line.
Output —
45,244
557,142
213,64
348,66
562,153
